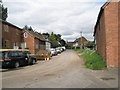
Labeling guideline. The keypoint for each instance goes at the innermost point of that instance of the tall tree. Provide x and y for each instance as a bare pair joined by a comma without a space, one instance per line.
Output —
53,40
30,28
26,27
58,37
63,43
3,12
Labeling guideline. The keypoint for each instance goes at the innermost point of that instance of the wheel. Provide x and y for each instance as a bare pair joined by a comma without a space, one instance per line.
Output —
16,64
33,61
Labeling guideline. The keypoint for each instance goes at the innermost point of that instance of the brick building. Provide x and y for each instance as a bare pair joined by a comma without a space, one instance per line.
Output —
33,41
11,35
119,33
80,41
106,33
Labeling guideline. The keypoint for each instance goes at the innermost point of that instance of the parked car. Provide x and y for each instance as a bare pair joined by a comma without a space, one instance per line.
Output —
53,52
16,58
58,50
63,47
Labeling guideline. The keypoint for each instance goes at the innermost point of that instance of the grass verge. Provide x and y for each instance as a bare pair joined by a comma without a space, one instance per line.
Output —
92,59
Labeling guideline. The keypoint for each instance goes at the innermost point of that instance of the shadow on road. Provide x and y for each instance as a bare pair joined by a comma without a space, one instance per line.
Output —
7,69
10,69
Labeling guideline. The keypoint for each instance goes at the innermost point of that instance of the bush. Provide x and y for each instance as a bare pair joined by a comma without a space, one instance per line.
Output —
92,59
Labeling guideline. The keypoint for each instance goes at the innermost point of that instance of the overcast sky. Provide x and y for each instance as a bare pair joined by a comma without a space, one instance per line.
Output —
65,17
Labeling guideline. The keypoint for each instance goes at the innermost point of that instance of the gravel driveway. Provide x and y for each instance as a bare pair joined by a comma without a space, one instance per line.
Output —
62,71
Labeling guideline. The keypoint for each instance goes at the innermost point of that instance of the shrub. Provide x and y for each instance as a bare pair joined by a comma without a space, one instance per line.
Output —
92,59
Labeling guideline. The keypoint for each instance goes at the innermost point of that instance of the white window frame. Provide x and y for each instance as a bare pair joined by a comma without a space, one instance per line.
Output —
6,28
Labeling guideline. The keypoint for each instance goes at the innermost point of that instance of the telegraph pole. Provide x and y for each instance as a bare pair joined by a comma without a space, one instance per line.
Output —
81,39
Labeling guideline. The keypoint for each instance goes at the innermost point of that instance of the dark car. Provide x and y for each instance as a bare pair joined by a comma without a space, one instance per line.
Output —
16,58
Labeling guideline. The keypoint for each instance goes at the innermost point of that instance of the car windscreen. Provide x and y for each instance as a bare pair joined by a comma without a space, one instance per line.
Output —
4,54
1,54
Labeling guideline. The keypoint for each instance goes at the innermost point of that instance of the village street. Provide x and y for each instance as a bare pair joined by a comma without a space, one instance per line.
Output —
63,71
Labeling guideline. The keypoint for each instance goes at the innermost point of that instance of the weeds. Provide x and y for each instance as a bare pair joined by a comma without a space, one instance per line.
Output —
92,59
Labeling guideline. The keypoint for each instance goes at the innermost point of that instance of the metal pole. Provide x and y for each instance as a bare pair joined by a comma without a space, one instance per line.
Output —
81,39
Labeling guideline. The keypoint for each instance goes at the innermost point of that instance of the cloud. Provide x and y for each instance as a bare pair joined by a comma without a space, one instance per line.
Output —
66,17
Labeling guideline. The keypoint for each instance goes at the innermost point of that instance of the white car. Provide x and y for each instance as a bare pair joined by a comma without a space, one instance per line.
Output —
58,50
53,52
64,48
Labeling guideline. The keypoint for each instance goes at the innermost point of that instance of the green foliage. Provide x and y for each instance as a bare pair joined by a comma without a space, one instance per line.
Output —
63,43
28,28
3,12
53,40
92,59
58,37
47,34
79,50
90,45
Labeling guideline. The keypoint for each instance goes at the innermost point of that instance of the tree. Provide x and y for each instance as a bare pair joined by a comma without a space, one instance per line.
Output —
90,45
47,34
53,40
26,27
58,37
63,43
3,13
30,28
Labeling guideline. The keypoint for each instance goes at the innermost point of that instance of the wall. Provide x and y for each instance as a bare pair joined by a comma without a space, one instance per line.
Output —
101,37
12,36
37,45
119,33
0,35
111,23
30,43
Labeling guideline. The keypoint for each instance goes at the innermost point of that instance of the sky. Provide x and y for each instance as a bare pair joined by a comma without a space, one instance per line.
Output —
65,17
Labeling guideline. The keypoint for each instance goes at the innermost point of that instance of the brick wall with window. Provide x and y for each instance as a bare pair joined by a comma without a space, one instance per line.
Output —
9,36
30,42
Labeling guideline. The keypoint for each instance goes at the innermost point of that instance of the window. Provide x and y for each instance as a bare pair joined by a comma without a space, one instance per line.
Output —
6,28
23,45
20,53
25,35
1,55
13,54
6,43
36,46
42,42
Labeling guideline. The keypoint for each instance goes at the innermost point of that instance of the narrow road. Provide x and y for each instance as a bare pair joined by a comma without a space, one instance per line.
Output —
62,71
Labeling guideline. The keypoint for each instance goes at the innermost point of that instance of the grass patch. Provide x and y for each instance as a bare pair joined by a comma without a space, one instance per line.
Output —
92,59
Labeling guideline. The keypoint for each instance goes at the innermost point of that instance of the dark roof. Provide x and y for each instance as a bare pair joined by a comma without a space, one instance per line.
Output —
100,13
36,34
5,22
78,39
70,43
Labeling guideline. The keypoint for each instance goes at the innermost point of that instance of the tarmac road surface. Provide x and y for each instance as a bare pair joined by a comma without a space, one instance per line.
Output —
62,71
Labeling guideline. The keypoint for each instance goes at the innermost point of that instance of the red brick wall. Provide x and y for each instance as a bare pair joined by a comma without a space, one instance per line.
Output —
101,37
119,33
30,43
13,35
33,43
107,34
111,26
37,42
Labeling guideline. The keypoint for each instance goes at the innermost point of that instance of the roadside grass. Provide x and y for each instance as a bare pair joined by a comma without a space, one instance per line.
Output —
92,59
